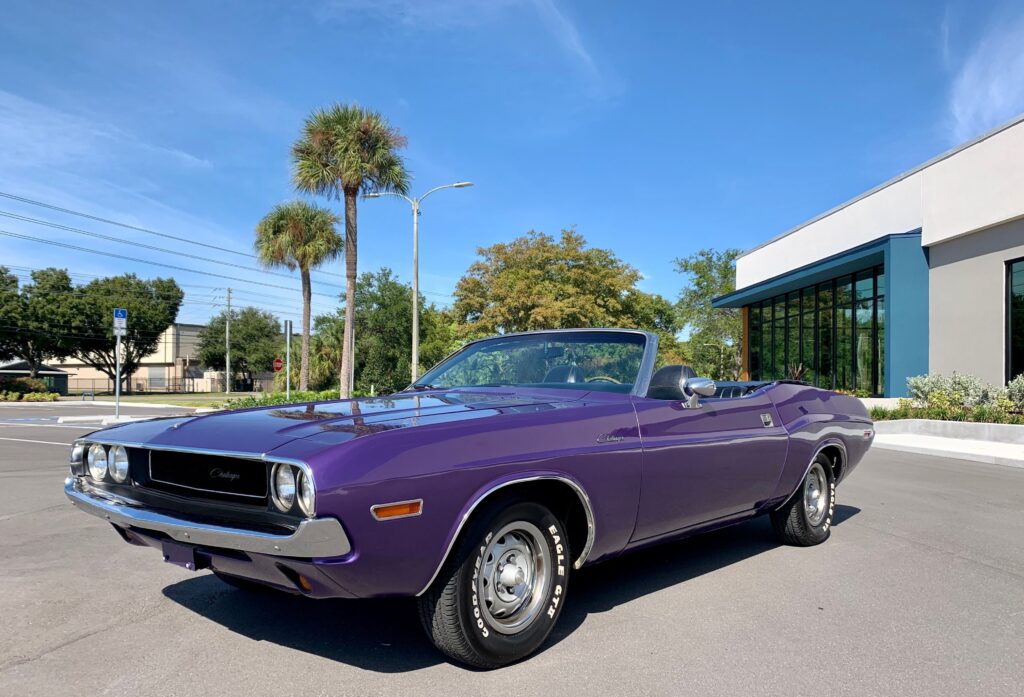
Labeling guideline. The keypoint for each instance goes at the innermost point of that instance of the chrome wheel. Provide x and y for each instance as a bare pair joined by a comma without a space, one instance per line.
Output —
514,577
816,493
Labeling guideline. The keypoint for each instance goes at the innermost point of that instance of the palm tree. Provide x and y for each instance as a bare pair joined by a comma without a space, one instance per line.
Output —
345,150
299,235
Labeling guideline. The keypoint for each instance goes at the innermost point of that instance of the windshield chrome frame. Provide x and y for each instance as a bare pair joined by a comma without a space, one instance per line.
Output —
644,373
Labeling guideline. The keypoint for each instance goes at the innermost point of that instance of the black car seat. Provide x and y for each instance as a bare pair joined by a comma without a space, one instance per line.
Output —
667,382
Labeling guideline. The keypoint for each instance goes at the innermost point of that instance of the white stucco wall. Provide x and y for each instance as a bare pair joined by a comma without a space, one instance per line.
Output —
973,187
967,301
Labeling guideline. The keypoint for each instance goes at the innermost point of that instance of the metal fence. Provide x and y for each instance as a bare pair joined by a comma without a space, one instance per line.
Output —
78,386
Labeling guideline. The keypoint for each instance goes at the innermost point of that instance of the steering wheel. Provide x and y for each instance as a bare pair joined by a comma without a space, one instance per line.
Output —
603,378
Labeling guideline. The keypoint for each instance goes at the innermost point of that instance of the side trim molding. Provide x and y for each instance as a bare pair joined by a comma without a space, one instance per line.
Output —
584,499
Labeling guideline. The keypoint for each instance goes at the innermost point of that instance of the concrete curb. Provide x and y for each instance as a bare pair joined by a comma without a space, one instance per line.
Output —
994,444
105,403
960,430
943,450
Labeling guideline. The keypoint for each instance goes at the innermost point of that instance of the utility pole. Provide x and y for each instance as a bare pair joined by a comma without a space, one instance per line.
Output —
227,348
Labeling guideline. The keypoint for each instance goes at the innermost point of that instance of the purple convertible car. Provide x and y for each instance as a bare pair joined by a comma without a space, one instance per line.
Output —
482,487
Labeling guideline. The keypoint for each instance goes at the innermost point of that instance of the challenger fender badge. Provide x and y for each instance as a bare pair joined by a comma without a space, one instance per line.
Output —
609,438
766,419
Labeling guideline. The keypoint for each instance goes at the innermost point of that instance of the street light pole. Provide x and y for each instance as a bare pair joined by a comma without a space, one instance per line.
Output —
414,202
415,289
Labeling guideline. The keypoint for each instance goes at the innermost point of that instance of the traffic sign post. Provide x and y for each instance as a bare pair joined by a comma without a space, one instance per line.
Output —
120,328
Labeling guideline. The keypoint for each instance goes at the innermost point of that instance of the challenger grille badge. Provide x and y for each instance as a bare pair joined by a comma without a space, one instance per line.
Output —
766,419
218,473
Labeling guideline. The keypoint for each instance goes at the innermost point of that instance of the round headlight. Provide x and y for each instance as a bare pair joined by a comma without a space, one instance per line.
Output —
307,495
97,461
117,463
283,486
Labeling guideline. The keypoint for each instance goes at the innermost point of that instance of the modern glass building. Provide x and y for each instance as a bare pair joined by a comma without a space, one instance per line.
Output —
924,273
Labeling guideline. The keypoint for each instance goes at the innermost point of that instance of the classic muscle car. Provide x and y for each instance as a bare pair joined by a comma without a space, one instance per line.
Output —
482,487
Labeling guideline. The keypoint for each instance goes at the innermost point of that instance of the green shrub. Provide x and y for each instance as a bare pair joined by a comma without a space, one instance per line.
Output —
942,408
22,385
272,399
10,396
40,397
1015,392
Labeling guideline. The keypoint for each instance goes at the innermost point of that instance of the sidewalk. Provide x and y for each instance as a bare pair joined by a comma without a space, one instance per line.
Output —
996,453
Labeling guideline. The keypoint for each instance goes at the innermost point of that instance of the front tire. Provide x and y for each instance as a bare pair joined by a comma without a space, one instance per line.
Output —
806,518
500,593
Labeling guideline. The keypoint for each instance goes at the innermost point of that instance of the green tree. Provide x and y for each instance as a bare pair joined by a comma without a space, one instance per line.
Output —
345,151
714,333
152,307
538,282
383,334
303,236
37,321
255,342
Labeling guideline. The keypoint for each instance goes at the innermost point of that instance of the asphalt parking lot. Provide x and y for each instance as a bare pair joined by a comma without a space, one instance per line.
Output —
920,591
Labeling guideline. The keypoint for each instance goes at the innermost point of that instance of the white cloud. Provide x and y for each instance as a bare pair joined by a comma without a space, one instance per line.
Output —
988,88
470,14
33,135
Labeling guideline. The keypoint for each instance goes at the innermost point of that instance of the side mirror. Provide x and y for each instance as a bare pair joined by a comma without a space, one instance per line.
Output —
695,388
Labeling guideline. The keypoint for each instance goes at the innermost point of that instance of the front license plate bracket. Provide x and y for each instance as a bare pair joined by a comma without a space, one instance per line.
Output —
184,556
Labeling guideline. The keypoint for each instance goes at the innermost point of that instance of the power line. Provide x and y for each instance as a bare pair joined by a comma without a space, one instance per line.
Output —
128,226
132,243
182,285
145,261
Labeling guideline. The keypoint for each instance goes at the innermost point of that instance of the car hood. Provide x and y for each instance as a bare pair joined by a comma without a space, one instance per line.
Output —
263,429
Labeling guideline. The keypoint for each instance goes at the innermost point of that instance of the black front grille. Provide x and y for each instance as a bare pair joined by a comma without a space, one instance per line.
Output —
208,476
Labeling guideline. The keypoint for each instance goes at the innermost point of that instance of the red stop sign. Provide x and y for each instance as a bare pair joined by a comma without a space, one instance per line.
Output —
278,365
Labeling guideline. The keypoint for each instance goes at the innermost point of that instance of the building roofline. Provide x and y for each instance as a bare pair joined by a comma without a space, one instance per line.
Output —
895,180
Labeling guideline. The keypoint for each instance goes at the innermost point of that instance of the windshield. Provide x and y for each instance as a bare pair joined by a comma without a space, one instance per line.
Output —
584,360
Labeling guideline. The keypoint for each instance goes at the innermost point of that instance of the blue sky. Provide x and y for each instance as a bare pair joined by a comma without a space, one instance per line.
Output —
655,128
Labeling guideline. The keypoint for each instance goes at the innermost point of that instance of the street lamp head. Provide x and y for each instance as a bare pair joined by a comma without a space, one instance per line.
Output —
462,185
373,195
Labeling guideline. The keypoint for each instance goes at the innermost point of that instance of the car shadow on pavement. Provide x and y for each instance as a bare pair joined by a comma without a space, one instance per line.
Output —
385,635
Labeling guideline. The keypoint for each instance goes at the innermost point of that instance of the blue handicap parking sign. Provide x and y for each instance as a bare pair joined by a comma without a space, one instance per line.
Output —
120,313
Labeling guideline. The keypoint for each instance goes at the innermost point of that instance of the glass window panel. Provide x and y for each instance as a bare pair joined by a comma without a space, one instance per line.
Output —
807,342
881,345
881,281
825,347
865,285
793,303
780,307
1015,309
825,295
808,300
792,346
844,354
778,350
843,290
864,346
754,341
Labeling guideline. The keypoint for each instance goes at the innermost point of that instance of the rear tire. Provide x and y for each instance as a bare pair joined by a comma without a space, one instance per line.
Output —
806,518
502,590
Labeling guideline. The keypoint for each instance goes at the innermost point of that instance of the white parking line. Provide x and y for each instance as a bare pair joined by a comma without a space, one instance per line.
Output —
24,425
40,442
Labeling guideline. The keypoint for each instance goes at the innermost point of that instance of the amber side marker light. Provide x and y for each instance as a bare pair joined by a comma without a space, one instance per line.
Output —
399,509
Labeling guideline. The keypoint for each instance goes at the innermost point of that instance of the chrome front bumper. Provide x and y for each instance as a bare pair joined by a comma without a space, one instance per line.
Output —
315,538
